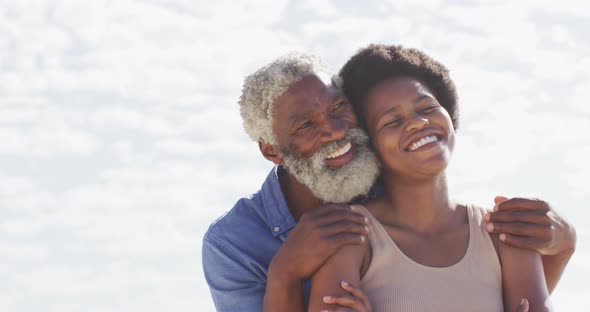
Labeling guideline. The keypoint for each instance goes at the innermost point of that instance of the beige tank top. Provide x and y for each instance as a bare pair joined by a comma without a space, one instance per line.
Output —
394,282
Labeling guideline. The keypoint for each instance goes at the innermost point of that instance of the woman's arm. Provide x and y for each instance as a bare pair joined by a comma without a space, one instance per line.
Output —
344,265
523,277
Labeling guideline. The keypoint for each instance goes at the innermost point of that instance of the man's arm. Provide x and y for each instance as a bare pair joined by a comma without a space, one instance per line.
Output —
233,285
317,235
532,224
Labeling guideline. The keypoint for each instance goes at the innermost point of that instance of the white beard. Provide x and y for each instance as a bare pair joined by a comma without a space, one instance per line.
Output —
339,185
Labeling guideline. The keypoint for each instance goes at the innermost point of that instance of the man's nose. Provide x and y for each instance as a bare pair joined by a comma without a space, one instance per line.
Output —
334,129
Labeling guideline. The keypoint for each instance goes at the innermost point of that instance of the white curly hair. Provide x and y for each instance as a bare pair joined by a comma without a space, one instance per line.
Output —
262,88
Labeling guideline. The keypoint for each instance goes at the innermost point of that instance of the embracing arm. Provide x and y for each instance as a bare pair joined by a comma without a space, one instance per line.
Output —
523,277
316,237
532,224
283,290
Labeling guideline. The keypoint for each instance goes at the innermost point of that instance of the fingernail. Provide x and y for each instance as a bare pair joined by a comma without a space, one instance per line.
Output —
367,229
353,208
490,227
522,301
324,311
366,220
327,298
502,237
344,284
486,217
495,207
362,239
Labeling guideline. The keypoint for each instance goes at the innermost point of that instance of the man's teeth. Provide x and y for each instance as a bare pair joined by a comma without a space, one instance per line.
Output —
341,151
422,142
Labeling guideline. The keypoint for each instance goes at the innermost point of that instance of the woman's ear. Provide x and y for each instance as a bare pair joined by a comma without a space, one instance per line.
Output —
271,152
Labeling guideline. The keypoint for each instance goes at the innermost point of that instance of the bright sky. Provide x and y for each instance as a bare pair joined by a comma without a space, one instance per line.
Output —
120,137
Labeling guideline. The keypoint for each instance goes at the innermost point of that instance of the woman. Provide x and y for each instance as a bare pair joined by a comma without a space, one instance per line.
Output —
426,252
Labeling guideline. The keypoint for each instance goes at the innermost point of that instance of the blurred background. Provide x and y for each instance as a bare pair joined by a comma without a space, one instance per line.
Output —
121,140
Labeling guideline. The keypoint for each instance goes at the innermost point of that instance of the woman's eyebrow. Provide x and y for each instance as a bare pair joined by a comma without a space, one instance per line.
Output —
422,98
390,110
385,113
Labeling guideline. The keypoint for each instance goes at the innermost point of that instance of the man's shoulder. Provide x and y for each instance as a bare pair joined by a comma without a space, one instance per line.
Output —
251,217
244,218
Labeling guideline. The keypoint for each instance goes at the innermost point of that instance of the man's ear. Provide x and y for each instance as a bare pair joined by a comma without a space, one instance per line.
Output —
271,152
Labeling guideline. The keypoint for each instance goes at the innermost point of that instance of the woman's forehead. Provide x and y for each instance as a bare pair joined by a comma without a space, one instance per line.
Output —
399,86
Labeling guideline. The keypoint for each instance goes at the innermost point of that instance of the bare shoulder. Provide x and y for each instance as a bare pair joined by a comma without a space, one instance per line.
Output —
346,264
377,207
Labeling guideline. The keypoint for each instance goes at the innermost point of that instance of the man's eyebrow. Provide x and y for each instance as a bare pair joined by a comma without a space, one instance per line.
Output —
299,117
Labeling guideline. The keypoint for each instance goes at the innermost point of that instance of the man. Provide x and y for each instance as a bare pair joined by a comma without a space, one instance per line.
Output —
262,252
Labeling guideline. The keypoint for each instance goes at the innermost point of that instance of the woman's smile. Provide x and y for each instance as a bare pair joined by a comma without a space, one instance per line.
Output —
411,131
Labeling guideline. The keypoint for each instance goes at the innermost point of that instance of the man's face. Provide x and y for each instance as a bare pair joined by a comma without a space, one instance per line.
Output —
320,143
310,114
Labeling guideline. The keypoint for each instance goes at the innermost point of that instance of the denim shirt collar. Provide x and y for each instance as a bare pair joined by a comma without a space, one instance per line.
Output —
274,204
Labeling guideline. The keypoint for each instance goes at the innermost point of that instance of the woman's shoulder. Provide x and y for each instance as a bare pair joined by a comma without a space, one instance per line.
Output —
376,208
475,211
477,215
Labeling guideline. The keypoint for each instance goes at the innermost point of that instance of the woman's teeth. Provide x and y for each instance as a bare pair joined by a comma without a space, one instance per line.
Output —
422,142
341,151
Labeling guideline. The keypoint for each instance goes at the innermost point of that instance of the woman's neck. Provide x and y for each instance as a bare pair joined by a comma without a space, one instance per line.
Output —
423,206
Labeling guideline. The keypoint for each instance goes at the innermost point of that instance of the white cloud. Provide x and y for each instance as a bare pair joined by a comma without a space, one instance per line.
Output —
43,142
120,136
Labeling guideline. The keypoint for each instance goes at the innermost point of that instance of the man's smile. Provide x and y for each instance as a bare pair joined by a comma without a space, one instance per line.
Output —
341,156
341,151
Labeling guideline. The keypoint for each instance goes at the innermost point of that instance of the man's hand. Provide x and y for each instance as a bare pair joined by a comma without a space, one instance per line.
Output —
357,301
531,224
317,235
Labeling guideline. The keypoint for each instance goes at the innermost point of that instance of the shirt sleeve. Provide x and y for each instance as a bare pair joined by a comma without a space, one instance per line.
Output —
234,286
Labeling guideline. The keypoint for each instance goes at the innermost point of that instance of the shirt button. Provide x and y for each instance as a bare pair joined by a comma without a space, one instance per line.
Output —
277,228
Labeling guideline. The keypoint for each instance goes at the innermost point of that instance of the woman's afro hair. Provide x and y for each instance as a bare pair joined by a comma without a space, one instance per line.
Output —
377,63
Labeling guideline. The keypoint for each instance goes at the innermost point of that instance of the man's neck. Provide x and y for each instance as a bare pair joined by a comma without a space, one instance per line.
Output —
298,196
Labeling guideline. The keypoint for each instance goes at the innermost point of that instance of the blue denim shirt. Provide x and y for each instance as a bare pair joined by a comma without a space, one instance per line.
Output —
238,247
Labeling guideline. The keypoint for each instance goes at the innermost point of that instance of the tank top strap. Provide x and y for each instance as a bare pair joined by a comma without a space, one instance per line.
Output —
362,210
482,243
379,239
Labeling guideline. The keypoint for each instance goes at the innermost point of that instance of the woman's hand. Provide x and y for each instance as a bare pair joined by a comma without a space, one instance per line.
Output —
357,301
523,307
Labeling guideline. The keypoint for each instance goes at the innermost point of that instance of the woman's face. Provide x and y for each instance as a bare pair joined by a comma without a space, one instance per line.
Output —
411,132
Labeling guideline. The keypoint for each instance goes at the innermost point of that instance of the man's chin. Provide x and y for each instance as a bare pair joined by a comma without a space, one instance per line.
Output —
339,181
340,185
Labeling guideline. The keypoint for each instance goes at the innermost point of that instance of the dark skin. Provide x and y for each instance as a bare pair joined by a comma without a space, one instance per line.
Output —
530,223
309,115
312,114
416,210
